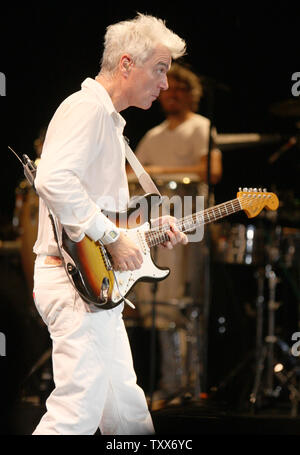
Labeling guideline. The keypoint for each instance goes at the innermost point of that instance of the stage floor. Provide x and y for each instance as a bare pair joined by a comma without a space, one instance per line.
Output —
192,419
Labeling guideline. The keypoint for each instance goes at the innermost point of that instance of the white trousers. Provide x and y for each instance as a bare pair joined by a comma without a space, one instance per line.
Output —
95,381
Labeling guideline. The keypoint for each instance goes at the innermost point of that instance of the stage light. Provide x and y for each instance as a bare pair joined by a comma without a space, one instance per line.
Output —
172,185
278,367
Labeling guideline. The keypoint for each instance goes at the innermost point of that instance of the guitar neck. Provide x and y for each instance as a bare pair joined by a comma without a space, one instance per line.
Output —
156,236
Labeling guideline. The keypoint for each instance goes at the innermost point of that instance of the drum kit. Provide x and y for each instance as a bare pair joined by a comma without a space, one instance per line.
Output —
269,248
271,252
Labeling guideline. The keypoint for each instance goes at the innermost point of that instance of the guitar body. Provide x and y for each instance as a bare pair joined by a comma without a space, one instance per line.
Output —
88,263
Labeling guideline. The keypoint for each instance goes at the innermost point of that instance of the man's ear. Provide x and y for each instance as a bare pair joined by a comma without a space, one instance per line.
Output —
126,63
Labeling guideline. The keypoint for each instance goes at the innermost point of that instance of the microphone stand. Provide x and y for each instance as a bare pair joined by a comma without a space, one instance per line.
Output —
207,264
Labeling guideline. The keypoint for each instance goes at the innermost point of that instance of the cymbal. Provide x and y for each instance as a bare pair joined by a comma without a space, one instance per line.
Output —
286,108
235,141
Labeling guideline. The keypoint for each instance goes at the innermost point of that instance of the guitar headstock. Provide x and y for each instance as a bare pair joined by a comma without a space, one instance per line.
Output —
253,200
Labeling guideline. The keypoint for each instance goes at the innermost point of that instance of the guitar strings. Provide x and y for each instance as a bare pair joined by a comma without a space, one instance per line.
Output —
234,205
191,222
199,217
159,234
201,214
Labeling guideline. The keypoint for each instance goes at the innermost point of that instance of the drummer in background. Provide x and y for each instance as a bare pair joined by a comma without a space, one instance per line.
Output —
178,145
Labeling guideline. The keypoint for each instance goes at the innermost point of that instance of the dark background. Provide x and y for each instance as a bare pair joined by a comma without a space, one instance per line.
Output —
246,56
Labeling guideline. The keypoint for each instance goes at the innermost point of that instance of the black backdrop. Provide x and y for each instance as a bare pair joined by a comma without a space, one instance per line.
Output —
246,54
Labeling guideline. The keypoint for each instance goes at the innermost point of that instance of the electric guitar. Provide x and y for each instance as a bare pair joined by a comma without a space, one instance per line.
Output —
89,265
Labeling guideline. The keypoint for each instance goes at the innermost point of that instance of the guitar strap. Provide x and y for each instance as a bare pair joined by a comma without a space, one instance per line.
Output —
144,178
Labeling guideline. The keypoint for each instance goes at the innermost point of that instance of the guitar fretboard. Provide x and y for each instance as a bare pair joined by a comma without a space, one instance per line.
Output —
158,235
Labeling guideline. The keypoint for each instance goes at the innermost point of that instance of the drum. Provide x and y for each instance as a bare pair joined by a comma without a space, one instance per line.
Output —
238,243
178,190
289,252
25,222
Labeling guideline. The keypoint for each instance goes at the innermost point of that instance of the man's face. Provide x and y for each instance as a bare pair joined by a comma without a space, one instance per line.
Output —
177,99
147,81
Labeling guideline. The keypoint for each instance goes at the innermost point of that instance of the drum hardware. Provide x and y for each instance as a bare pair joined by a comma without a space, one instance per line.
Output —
188,373
266,360
182,374
44,384
286,108
265,350
239,140
238,243
195,354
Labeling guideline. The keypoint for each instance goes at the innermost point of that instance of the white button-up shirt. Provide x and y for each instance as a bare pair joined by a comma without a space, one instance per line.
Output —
82,167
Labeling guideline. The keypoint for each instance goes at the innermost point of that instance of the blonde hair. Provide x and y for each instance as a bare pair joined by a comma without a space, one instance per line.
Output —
138,37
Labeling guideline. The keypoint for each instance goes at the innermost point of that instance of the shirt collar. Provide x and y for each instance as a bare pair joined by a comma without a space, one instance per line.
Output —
105,100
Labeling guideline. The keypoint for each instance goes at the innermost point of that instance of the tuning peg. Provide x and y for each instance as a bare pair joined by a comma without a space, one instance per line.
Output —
260,190
255,189
245,189
265,190
240,189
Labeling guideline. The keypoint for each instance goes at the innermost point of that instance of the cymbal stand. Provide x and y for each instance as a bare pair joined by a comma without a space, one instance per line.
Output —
265,351
265,355
193,363
260,348
271,338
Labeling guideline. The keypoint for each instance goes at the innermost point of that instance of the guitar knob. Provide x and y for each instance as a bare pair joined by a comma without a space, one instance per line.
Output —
104,290
71,269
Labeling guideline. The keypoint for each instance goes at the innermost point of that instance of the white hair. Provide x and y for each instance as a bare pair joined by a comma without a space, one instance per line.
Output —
138,37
